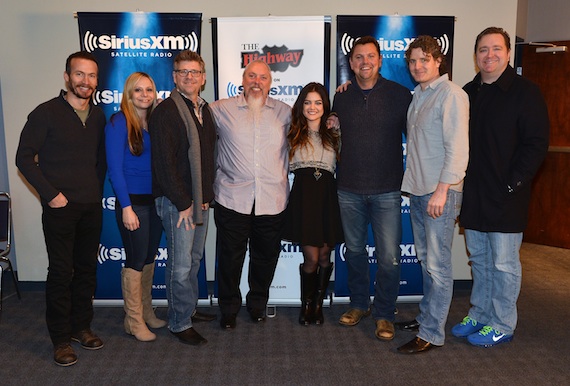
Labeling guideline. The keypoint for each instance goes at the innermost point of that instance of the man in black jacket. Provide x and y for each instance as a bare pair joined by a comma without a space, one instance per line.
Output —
62,155
508,137
183,138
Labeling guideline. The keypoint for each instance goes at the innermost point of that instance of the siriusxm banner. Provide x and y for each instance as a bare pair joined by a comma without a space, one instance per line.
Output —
297,49
124,43
394,34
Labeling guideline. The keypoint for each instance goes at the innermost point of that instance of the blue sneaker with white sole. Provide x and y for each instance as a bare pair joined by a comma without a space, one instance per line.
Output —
488,337
467,327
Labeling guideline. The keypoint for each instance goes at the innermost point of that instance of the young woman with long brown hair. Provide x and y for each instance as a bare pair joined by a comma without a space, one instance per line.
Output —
313,216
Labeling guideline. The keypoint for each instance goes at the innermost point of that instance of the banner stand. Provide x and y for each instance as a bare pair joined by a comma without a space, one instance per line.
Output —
401,299
155,302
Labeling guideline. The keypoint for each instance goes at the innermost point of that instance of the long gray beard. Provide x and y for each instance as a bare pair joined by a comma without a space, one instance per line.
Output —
254,105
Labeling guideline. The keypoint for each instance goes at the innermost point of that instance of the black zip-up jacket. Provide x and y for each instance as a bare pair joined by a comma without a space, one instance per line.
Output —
70,155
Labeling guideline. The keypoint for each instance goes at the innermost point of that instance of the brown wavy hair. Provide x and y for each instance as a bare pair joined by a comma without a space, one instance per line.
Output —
298,135
134,123
429,46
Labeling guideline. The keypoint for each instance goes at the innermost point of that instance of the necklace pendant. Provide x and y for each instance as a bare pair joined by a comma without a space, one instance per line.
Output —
317,174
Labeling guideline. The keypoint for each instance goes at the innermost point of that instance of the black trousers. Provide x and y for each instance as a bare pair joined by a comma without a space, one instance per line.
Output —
142,244
234,231
72,236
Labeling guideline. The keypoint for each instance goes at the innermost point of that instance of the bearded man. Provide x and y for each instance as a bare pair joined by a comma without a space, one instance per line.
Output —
251,190
62,155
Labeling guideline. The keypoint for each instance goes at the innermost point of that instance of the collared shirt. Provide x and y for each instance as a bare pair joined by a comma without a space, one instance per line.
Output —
252,156
438,138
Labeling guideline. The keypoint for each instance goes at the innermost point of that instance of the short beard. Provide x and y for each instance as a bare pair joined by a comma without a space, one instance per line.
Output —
72,90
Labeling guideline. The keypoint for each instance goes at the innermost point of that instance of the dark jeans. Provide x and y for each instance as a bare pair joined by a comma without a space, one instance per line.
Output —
234,230
72,239
142,244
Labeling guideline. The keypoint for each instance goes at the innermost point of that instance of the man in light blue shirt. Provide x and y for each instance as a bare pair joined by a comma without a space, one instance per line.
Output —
438,152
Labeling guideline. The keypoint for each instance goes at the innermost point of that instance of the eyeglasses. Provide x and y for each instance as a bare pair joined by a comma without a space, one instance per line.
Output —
184,73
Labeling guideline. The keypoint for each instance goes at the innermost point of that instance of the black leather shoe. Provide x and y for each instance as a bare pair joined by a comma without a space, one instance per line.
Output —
203,317
257,316
415,346
191,337
88,339
63,355
228,321
410,325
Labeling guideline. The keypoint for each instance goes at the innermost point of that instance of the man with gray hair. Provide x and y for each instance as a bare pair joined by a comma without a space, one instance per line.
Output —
251,189
183,140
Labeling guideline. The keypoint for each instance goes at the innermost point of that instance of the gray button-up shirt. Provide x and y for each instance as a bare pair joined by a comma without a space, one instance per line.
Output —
252,161
438,138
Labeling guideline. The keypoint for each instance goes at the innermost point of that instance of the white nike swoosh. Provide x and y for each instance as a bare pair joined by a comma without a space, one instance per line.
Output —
496,338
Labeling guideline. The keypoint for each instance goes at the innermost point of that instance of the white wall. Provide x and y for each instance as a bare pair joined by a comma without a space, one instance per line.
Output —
548,20
37,36
522,18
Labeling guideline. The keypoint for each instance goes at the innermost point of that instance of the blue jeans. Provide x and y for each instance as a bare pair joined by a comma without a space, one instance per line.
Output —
432,239
185,250
497,276
383,212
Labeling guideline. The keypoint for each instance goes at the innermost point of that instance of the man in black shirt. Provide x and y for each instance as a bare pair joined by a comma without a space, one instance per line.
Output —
62,155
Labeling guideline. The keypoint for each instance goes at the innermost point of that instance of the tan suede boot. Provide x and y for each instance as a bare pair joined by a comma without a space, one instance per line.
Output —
148,312
132,296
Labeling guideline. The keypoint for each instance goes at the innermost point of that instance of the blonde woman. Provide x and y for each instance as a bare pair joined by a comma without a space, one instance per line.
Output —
128,158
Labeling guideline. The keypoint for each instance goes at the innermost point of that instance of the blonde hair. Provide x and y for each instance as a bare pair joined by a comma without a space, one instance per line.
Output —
134,123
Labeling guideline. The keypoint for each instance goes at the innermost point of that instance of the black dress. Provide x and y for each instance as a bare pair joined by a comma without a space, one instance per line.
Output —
313,214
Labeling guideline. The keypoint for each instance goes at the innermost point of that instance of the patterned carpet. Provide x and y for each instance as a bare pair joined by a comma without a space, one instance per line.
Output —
280,352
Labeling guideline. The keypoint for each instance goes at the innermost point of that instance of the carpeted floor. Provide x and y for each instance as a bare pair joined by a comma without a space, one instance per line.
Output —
280,352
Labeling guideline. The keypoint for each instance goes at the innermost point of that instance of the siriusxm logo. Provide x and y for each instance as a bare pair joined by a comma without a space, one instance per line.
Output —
114,254
108,202
289,247
162,42
118,254
233,90
280,90
347,42
407,251
108,97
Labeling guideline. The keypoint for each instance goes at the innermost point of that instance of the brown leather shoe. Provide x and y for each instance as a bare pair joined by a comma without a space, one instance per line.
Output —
353,316
384,329
191,337
415,346
88,339
63,355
